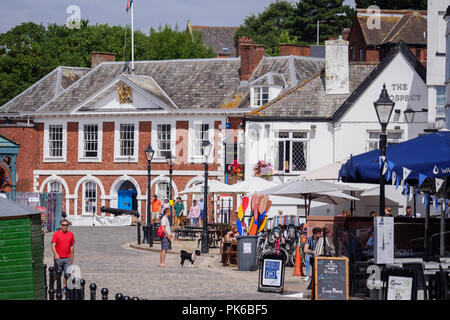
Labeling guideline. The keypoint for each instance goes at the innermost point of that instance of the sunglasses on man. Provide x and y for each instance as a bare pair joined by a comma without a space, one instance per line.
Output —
64,225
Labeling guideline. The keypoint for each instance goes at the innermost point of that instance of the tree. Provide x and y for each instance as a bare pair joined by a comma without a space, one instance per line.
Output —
332,15
29,51
267,27
393,5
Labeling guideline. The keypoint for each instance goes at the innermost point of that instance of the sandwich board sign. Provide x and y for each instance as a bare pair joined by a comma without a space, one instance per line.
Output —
330,278
383,240
271,274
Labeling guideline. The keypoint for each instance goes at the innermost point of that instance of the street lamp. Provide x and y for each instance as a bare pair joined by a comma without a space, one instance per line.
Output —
409,114
169,160
383,107
149,153
206,147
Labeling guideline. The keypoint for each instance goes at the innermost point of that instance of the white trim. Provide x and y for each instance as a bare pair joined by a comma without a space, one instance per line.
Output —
113,192
211,131
63,183
117,156
46,157
81,125
123,172
166,179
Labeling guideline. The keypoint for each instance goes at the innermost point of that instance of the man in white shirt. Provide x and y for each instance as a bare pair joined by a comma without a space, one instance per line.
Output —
166,241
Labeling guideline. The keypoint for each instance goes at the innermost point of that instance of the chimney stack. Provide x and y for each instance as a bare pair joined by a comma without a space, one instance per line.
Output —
336,67
99,57
287,49
242,41
251,55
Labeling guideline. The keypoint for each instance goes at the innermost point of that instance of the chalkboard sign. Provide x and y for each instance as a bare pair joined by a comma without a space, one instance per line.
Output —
330,278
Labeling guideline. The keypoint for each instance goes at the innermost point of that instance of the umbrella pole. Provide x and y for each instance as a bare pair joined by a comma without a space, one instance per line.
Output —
427,231
442,235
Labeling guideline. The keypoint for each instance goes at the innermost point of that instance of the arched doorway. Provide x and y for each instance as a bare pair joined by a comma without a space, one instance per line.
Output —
127,196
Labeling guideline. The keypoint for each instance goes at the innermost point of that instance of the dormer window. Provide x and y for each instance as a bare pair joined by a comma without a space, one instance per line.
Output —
260,96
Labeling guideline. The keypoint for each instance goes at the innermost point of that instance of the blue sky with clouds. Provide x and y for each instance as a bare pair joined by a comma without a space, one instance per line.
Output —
147,14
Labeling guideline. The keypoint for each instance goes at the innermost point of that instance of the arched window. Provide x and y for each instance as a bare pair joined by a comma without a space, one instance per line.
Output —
162,190
54,187
89,197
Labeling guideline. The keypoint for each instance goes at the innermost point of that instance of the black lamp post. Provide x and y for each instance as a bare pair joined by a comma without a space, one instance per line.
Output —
169,160
383,107
206,147
149,152
410,113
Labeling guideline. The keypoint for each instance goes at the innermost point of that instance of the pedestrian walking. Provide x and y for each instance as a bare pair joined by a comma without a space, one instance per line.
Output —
164,206
179,212
156,207
166,241
194,213
63,242
201,204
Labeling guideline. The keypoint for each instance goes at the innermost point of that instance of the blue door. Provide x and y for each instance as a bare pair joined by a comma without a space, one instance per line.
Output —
126,200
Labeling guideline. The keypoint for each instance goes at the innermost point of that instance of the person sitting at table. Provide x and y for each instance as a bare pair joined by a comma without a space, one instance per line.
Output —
231,235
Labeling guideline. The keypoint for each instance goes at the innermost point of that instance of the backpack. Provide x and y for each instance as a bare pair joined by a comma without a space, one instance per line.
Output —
160,232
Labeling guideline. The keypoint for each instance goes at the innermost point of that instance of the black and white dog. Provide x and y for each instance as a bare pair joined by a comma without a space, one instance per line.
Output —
188,256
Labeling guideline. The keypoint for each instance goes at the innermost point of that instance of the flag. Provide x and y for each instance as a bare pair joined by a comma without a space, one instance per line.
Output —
129,4
439,183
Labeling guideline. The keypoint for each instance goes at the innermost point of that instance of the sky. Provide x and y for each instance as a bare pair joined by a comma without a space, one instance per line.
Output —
147,13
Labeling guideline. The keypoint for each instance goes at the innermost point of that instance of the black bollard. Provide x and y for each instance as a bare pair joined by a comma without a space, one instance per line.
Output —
93,287
81,292
104,292
69,291
119,296
135,298
45,281
58,285
51,277
138,233
126,298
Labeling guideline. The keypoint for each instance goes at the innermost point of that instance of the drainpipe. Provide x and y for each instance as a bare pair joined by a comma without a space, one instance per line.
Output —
228,125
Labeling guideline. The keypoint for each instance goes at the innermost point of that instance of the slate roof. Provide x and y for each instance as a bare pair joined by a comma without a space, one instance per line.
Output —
408,26
221,39
307,101
45,89
193,84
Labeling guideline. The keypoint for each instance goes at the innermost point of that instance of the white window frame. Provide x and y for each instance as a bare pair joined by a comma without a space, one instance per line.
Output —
377,141
47,157
155,124
81,157
199,158
290,138
258,91
117,156
158,190
83,197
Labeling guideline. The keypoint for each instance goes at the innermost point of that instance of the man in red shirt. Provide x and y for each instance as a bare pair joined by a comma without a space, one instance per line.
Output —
63,248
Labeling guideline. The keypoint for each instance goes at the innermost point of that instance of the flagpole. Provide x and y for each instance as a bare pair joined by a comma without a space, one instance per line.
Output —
132,38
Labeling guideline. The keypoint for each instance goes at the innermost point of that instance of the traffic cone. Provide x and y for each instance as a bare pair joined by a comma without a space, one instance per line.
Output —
298,271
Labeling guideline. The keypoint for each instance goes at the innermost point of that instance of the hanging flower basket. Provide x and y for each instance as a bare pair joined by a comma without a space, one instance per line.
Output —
236,170
263,169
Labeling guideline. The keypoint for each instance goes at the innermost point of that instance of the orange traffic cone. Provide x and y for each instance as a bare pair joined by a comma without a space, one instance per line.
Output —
298,271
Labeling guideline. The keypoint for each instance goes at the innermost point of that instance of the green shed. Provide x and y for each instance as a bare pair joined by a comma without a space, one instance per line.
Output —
21,252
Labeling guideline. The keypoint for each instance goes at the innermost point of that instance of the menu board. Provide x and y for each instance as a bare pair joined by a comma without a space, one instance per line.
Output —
330,278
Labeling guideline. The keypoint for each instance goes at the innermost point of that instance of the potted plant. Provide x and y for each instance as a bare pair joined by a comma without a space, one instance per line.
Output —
263,169
236,170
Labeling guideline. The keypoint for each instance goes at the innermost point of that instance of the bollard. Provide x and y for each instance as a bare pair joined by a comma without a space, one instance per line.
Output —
139,233
81,292
45,281
126,298
104,292
75,294
58,285
135,298
93,287
51,277
69,291
119,296
146,231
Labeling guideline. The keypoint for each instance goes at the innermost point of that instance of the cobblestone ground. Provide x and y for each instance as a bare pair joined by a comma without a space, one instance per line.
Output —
106,258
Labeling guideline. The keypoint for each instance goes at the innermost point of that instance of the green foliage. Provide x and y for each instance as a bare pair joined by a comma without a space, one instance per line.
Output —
29,51
299,21
394,5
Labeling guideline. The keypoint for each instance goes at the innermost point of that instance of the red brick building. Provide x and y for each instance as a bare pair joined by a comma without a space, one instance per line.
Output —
83,132
372,36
